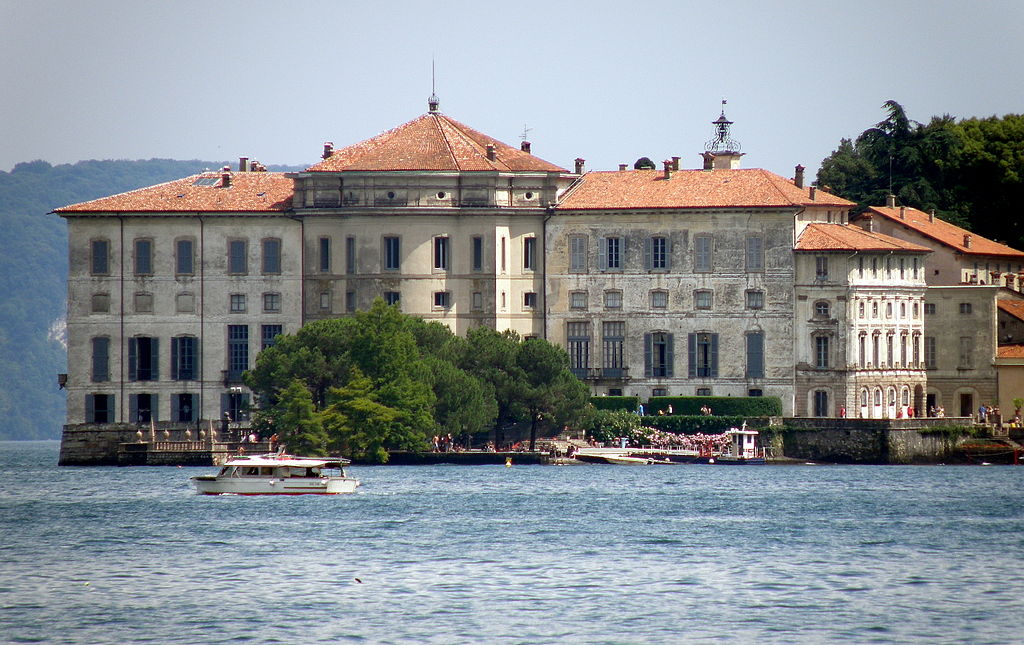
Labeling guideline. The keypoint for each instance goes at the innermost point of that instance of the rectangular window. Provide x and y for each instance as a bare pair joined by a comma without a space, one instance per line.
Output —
143,257
578,339
613,299
530,253
916,342
100,303
703,391
890,349
659,299
702,299
658,355
656,253
659,391
703,250
100,261
272,256
577,254
613,338
100,359
325,300
350,255
236,405
269,334
184,257
142,407
821,352
755,354
184,356
755,300
391,297
185,303
392,253
271,302
350,301
966,353
238,351
186,408
755,253
441,253
578,300
703,355
143,358
325,255
821,267
611,253
238,303
143,302
238,263
478,300
965,307
99,408
477,253
529,300
442,299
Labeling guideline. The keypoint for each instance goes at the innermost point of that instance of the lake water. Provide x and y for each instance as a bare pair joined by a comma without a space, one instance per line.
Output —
528,554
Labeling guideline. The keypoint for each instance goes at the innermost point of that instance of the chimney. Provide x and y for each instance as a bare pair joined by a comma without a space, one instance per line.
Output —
243,164
967,240
891,201
798,176
525,147
668,168
903,212
491,155
675,163
709,160
813,191
622,166
931,215
225,177
328,149
580,164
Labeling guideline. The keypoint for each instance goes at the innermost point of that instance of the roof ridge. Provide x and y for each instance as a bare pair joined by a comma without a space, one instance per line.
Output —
444,137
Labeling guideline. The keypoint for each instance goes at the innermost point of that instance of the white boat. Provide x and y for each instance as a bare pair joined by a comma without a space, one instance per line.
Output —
742,448
278,474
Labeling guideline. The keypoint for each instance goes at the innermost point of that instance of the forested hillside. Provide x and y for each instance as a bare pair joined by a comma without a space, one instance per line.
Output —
33,266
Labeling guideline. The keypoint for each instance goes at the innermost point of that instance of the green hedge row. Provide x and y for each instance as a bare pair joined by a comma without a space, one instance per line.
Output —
692,424
740,406
630,403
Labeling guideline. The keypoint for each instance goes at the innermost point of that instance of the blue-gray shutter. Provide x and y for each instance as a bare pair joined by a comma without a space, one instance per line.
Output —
90,408
647,355
692,354
175,357
670,355
154,359
154,407
133,359
194,405
668,253
133,408
100,359
648,253
714,355
602,253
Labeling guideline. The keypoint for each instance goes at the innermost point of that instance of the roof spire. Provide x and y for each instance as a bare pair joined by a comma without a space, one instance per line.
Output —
722,143
433,102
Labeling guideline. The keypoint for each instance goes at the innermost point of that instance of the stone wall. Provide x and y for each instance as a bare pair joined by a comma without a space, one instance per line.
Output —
870,441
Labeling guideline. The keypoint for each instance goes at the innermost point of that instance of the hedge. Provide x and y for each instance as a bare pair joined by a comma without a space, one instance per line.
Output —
740,406
692,424
630,403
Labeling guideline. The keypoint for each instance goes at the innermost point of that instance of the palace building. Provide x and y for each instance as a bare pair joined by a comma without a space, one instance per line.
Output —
716,280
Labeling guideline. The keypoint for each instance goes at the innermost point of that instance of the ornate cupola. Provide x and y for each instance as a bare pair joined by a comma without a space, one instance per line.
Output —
722,152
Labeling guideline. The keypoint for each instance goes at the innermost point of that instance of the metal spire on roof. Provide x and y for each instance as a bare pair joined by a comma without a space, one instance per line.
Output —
433,103
722,143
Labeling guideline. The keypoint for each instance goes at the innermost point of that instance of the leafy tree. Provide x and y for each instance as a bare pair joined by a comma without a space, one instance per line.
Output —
549,389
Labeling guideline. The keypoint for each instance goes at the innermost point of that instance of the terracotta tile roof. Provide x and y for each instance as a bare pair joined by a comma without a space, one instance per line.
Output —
1010,351
738,188
843,237
1013,307
943,232
247,191
432,142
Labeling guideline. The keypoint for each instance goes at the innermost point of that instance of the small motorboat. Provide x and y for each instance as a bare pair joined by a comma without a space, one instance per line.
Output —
278,474
742,449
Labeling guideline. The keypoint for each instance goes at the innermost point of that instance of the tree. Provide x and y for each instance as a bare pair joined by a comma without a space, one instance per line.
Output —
550,390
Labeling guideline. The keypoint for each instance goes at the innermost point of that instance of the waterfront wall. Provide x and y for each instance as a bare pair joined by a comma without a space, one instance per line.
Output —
127,444
872,441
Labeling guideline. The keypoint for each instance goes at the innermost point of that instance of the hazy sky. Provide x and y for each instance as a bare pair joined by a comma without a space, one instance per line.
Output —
606,81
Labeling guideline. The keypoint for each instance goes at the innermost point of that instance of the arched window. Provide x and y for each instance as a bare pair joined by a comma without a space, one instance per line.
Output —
860,310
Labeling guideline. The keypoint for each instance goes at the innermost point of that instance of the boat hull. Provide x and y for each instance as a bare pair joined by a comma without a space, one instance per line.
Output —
275,486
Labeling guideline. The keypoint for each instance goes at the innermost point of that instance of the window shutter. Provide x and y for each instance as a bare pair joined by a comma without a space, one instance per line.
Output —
692,355
648,251
133,408
668,252
90,408
154,358
133,359
175,357
670,358
154,407
602,253
647,355
194,405
714,355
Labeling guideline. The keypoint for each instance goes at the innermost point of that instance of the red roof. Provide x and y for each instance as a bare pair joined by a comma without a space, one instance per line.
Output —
1013,307
943,232
740,188
432,142
245,192
843,237
1010,351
